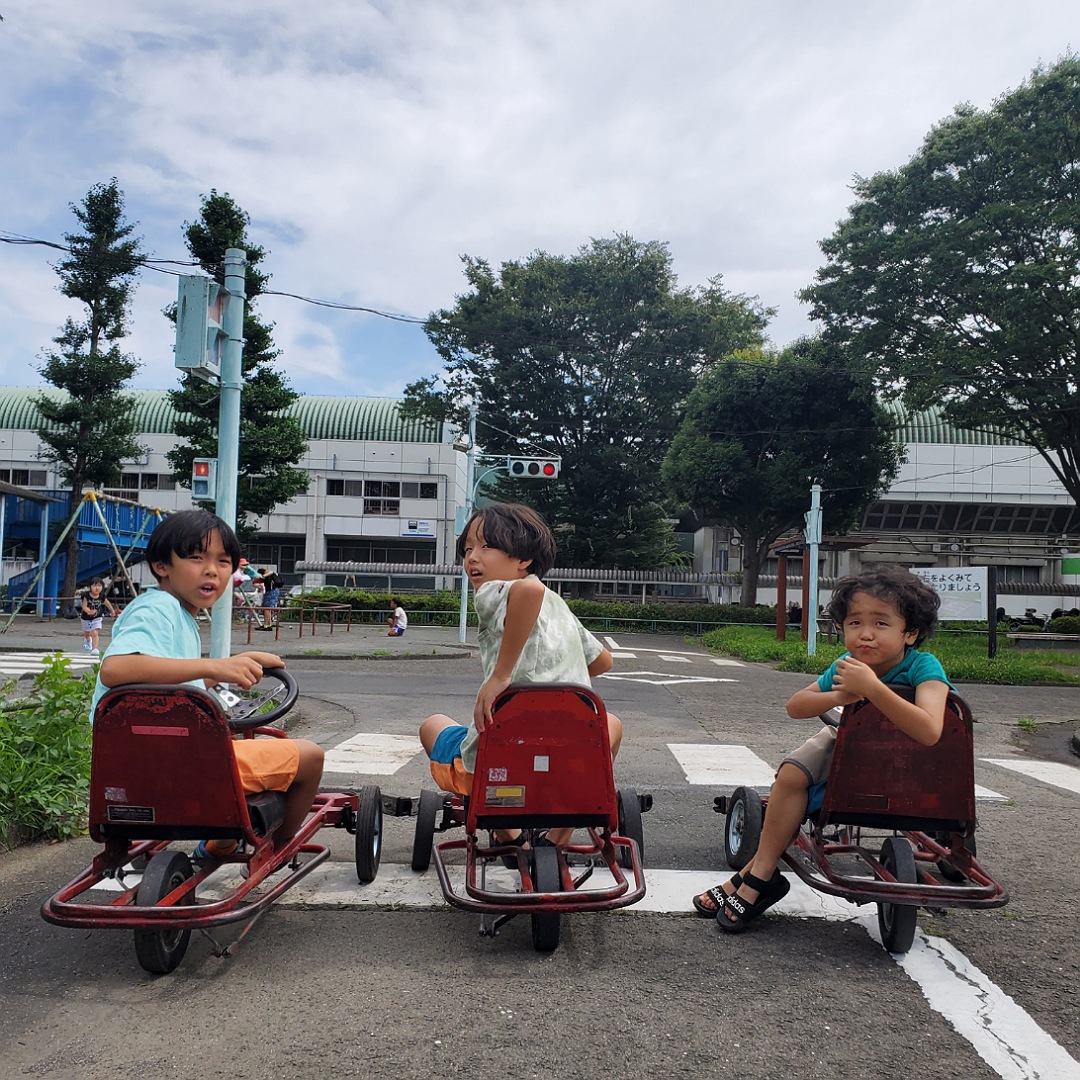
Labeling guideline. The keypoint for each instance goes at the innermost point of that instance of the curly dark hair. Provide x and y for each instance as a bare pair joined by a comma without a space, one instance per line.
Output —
915,601
516,529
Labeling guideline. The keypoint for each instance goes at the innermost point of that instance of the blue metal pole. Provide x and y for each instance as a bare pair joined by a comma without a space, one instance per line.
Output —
228,455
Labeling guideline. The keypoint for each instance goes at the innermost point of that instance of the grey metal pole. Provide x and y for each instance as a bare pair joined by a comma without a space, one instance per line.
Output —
228,455
813,539
470,470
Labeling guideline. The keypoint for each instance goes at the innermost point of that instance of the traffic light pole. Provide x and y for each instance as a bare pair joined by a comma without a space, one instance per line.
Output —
229,430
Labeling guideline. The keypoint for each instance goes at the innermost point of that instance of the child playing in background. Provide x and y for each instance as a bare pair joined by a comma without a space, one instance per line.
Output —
527,634
885,613
193,555
398,621
90,607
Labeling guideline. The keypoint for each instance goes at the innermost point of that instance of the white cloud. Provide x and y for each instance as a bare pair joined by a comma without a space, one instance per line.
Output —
374,143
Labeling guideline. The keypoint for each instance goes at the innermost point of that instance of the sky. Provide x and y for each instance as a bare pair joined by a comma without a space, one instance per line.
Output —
375,143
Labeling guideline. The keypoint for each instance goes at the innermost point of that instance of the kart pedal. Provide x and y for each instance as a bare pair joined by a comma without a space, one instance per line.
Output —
644,802
720,804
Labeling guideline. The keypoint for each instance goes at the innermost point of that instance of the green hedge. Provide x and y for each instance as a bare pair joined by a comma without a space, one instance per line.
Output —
1064,624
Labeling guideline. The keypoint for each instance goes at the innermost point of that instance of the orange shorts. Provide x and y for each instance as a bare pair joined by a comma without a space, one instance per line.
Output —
266,764
452,776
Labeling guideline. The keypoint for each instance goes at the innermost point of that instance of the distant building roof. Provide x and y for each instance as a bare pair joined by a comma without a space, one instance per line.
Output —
349,418
930,426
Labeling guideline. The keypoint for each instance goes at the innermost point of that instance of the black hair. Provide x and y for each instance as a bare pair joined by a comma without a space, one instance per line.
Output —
185,533
396,601
915,602
96,581
516,529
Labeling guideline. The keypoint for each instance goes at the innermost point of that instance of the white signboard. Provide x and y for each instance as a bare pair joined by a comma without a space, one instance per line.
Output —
963,589
415,527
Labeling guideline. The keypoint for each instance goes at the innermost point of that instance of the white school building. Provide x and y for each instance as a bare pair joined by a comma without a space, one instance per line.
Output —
387,490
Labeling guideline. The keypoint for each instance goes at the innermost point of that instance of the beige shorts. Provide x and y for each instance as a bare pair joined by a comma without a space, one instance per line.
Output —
814,757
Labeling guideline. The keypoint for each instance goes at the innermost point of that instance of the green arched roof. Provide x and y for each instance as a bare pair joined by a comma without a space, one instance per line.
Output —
930,426
349,418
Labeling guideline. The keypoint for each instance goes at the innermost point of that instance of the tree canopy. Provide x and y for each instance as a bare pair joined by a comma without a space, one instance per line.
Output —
92,431
271,444
762,428
957,276
589,357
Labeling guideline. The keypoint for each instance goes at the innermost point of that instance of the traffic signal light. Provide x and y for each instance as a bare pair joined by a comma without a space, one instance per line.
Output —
200,307
204,479
534,468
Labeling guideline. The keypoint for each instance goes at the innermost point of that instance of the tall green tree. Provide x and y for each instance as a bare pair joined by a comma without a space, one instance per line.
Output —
90,430
762,428
957,276
589,357
271,444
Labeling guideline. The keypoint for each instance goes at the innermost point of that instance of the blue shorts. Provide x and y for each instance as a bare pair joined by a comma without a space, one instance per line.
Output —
448,744
396,631
815,796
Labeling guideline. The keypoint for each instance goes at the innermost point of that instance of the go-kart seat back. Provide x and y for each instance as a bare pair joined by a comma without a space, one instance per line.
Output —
544,761
882,778
162,768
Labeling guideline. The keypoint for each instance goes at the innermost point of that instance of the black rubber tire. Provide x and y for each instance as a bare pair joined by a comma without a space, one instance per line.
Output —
160,951
897,922
950,873
431,802
742,826
546,878
369,828
630,826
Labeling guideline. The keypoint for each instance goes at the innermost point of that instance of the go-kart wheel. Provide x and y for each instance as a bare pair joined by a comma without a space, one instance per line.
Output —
897,921
431,803
950,873
630,826
262,704
546,878
742,827
159,951
369,823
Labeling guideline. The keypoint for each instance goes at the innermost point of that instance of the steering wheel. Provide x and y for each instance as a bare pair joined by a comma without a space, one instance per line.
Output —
262,704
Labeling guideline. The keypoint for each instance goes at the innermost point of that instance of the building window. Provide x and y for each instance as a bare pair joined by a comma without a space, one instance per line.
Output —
23,477
419,491
157,482
1028,575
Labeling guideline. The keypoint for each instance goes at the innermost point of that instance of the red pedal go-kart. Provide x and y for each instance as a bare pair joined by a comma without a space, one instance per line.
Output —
881,781
543,762
162,771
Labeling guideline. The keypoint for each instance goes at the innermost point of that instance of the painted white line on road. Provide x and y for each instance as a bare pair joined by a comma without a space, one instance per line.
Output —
1003,1035
1054,773
725,661
718,765
986,794
660,678
614,646
380,755
675,659
623,656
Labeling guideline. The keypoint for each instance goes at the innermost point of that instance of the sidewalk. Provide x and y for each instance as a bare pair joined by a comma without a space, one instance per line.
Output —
29,633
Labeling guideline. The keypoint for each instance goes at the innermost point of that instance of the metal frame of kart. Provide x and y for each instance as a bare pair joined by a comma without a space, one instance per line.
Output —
924,792
137,808
544,762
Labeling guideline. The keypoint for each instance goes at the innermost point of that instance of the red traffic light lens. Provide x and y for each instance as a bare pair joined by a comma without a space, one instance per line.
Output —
202,468
549,469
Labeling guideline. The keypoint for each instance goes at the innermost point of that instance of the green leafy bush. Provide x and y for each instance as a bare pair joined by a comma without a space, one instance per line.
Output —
1064,624
45,755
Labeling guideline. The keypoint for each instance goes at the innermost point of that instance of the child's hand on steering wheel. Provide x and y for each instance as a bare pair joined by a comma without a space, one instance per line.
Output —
244,669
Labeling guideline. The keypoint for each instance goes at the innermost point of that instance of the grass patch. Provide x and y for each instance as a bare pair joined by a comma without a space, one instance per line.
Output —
962,655
312,652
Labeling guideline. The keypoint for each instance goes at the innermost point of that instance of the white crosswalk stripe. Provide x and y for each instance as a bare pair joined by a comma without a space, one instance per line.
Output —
14,664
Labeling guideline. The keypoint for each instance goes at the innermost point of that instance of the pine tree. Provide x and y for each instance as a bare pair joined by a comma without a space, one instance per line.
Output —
89,432
271,443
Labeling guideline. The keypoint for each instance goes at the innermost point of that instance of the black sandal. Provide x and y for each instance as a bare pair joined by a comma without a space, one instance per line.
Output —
717,894
745,911
519,841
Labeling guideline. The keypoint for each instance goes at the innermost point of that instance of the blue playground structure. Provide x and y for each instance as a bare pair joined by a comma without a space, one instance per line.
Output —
109,531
